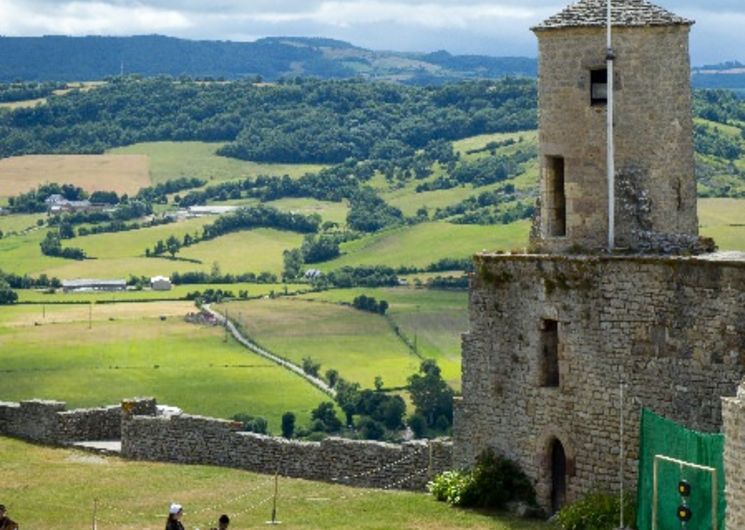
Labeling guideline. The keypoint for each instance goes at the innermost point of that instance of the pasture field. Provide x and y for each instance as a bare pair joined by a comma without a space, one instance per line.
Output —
724,220
119,254
19,222
55,488
142,349
178,292
336,212
358,344
119,173
431,319
425,243
171,160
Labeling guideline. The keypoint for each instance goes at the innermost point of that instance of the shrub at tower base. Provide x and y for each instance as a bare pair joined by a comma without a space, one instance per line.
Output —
599,511
491,483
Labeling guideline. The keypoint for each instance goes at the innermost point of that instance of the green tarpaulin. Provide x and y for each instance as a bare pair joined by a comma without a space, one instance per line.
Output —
682,457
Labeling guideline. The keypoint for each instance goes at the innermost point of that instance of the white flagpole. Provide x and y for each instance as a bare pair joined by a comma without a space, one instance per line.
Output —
610,154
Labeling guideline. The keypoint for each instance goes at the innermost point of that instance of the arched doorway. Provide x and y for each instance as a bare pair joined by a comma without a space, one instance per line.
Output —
558,476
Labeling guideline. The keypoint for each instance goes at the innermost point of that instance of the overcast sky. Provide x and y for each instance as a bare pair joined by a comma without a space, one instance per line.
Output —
491,27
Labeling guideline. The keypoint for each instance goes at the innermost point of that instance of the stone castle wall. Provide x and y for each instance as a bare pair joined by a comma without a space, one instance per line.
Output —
50,422
185,439
655,188
733,412
672,328
189,439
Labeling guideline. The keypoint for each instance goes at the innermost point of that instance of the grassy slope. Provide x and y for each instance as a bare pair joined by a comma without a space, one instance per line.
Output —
422,244
435,318
121,254
16,223
359,345
130,351
55,488
724,220
170,160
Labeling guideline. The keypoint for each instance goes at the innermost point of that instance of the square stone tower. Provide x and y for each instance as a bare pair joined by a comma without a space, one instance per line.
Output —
655,182
554,335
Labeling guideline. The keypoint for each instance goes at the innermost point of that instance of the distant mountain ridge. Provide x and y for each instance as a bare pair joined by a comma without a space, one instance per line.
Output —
60,58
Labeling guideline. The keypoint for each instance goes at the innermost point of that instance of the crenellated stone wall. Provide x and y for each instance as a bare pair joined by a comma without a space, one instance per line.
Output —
672,328
733,412
189,439
50,422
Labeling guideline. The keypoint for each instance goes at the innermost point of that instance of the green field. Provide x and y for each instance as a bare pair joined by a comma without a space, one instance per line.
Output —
336,212
17,223
122,253
130,350
172,160
360,345
425,243
46,488
433,320
724,220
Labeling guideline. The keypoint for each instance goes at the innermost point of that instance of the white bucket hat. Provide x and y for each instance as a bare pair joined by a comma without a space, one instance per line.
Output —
175,508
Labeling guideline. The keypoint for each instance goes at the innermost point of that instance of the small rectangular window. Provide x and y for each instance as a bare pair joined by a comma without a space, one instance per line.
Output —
549,353
599,87
556,200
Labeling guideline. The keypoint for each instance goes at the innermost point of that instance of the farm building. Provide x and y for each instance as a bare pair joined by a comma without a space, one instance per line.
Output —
160,283
73,286
58,204
199,211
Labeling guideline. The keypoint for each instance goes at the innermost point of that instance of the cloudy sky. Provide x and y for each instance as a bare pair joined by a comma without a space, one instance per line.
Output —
492,27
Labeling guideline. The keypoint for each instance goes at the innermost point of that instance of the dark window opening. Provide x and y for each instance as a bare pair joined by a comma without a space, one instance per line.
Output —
599,87
556,197
558,476
550,353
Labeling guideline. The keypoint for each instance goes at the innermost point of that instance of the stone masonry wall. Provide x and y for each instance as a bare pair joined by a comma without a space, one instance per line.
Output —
189,439
672,328
49,422
733,412
653,133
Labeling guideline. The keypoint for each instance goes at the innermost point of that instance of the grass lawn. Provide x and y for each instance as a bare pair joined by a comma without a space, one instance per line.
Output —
358,344
171,160
248,251
724,220
425,243
18,222
434,319
178,292
55,488
335,212
130,351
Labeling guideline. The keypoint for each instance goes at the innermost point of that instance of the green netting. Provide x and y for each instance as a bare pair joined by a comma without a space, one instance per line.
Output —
660,436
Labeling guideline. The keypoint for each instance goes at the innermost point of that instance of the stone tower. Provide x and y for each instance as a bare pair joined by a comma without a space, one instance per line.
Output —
553,336
655,182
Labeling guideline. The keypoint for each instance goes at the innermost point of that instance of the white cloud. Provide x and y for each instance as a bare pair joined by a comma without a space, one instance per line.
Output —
430,15
83,18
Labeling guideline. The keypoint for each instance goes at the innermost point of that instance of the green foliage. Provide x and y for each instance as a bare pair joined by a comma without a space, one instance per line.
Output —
345,277
709,141
311,367
418,425
293,263
492,483
325,418
288,425
597,511
33,201
250,423
301,120
368,303
370,213
317,249
52,246
7,295
24,91
432,396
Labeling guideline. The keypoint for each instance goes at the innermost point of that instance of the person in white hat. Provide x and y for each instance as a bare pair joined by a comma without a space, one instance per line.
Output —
174,517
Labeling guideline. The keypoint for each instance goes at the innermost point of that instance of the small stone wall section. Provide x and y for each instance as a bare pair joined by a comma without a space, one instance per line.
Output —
50,422
733,414
187,439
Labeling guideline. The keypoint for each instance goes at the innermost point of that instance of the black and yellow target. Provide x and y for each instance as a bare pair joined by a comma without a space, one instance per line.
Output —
684,513
684,488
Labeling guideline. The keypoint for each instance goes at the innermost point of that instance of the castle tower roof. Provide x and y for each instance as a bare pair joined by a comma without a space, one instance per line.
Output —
593,13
